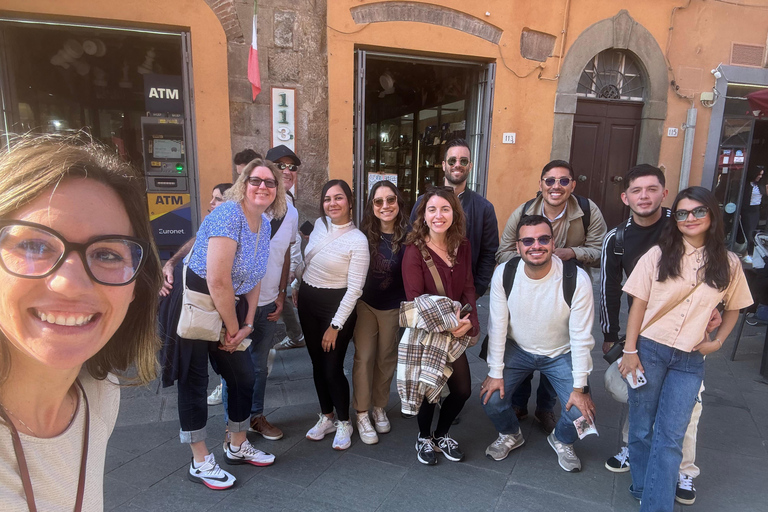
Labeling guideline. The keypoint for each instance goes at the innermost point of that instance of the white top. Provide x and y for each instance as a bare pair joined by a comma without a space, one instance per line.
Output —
757,197
341,264
537,317
54,464
296,246
285,236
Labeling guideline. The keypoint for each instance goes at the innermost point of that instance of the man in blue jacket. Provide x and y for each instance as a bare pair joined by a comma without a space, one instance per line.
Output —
482,228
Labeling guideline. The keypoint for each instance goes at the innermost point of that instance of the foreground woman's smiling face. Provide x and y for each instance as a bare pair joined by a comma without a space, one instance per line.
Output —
65,318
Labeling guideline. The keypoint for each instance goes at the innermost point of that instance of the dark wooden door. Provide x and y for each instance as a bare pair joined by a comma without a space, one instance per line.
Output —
603,147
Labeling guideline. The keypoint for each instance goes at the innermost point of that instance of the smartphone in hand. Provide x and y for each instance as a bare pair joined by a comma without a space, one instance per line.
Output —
465,310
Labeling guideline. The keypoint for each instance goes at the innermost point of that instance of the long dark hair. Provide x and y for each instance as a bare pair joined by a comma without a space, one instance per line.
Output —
344,188
371,225
454,237
717,269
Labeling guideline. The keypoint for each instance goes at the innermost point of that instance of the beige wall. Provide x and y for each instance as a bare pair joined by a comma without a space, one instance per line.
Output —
702,36
209,54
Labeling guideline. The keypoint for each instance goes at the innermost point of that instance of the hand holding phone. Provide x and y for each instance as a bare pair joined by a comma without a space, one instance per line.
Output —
638,381
465,311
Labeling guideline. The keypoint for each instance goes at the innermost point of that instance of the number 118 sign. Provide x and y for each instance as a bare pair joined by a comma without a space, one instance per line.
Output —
284,117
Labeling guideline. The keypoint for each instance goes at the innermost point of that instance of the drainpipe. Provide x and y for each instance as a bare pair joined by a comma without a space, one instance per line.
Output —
690,131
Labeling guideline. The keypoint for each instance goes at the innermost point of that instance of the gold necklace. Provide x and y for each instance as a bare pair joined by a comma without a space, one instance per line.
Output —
74,408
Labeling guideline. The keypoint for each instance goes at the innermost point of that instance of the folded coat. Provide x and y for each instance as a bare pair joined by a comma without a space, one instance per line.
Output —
427,349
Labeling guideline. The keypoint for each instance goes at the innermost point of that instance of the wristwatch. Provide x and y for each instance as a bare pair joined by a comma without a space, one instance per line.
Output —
584,390
335,327
248,325
282,290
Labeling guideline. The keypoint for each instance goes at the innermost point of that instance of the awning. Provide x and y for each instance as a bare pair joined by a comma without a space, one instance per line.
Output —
758,102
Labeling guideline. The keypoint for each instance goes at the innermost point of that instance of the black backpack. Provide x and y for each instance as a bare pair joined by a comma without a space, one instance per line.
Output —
570,270
583,204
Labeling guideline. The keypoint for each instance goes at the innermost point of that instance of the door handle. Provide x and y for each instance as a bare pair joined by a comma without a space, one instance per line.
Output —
582,178
617,179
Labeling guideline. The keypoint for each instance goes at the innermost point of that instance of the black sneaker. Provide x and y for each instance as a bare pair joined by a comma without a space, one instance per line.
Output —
449,447
619,463
685,492
425,451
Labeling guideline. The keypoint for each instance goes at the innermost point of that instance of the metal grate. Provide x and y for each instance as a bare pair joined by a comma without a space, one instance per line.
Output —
612,75
747,55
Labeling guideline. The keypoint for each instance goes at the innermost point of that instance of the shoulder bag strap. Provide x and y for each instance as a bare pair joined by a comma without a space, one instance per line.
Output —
330,238
670,308
433,270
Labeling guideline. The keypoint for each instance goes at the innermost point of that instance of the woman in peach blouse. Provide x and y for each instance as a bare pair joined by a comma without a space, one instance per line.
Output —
675,286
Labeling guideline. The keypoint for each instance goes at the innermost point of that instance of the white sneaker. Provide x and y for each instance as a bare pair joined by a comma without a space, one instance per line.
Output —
210,474
247,454
365,429
215,397
343,438
380,421
323,426
747,259
288,343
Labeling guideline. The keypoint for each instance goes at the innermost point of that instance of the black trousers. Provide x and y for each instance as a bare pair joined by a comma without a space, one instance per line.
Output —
460,385
236,369
317,306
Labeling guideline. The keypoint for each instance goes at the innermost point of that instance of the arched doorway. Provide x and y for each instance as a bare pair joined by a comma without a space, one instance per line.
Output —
606,128
620,32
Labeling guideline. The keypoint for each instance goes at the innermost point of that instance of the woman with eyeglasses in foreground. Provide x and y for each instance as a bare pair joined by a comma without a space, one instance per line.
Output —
227,262
439,228
675,286
378,310
79,280
330,280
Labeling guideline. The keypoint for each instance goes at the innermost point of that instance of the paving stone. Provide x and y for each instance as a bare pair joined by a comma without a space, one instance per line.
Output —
262,493
117,492
522,498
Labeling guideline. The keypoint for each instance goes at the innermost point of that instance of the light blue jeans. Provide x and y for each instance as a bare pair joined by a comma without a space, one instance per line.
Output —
262,339
518,364
659,413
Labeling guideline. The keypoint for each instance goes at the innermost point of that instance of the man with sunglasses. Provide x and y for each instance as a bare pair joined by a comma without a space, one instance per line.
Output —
288,163
482,228
573,238
535,329
644,191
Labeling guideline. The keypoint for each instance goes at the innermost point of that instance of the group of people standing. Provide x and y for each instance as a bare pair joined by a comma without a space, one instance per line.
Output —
81,276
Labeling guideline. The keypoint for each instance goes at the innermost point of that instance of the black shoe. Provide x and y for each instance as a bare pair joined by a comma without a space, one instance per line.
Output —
520,412
547,420
619,463
685,492
449,447
425,451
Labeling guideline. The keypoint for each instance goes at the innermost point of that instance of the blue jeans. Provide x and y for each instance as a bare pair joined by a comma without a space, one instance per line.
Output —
262,339
519,364
659,413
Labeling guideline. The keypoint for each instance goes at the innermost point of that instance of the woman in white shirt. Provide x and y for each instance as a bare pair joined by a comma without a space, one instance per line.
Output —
80,277
335,266
750,209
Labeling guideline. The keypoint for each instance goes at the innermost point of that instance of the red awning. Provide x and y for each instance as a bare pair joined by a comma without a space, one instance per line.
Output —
758,102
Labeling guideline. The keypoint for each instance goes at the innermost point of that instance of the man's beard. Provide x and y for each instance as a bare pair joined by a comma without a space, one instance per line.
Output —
649,214
449,177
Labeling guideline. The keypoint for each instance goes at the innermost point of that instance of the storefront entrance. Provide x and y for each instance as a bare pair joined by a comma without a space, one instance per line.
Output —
407,109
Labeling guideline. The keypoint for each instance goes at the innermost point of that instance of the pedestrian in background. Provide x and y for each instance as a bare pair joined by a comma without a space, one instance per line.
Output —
386,225
330,280
80,279
675,286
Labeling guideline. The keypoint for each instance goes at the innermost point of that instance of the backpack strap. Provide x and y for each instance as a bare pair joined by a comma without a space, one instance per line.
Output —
526,206
586,209
570,272
509,275
618,240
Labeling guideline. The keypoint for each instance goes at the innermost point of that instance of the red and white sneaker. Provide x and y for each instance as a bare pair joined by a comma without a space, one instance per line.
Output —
210,474
247,454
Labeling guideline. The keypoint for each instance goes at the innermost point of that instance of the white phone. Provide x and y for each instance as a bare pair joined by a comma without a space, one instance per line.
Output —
640,379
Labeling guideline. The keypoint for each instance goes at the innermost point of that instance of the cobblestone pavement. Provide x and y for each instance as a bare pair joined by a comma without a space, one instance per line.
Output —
146,464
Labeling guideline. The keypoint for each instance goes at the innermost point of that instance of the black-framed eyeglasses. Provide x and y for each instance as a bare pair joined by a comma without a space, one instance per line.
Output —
379,201
256,182
35,251
529,240
283,166
564,182
464,161
699,212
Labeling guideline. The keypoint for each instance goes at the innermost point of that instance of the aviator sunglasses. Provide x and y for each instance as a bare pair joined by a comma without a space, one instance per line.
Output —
256,182
379,201
699,212
463,161
283,166
564,182
529,240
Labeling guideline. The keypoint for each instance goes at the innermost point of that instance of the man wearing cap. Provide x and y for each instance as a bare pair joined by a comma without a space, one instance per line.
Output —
287,161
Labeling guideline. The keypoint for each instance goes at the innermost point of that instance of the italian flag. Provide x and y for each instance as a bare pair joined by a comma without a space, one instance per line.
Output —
254,76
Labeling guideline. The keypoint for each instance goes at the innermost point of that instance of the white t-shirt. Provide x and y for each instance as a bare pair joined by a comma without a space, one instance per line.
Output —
54,463
285,236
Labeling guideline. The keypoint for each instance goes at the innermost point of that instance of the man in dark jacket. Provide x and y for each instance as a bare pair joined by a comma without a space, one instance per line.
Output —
482,228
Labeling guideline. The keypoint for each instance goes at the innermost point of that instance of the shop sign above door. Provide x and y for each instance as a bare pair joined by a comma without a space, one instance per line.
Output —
284,117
